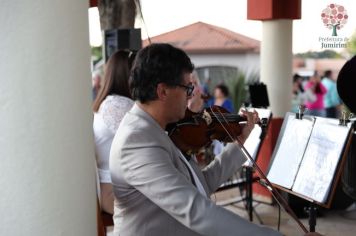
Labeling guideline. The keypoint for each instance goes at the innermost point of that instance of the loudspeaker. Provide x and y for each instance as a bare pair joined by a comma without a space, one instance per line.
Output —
346,84
121,39
258,95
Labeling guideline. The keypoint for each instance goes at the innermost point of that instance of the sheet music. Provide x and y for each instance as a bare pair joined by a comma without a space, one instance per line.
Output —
289,153
263,113
253,141
320,159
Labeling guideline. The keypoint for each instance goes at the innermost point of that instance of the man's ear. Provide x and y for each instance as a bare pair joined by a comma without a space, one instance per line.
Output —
162,91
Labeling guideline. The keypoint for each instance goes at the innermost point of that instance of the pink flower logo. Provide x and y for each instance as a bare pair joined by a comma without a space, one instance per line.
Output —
334,17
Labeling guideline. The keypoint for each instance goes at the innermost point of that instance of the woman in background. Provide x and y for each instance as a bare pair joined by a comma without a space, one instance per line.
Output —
221,93
300,96
316,108
110,106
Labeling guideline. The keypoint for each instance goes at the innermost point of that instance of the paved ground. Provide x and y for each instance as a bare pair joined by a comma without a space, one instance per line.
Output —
333,223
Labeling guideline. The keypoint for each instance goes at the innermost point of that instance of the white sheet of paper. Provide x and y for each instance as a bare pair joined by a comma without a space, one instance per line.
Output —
263,113
320,159
253,141
290,150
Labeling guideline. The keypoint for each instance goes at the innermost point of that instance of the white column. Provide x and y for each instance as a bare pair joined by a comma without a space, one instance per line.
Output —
276,64
47,172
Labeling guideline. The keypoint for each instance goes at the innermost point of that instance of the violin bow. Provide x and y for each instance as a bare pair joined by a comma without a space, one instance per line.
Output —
276,195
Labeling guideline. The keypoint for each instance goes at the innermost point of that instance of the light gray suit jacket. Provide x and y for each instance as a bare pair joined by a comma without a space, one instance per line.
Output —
154,191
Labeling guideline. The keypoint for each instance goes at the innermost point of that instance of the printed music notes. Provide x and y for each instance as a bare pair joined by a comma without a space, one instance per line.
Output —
290,150
307,155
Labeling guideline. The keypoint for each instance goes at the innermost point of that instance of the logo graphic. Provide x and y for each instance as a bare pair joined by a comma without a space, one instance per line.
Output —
334,17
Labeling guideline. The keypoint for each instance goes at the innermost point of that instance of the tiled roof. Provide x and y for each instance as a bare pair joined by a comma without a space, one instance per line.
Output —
204,38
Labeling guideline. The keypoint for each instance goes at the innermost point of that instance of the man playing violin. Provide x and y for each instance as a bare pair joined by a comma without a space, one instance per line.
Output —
157,190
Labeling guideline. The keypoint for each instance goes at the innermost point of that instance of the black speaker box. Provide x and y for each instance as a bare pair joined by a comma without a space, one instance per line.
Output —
119,39
346,84
258,95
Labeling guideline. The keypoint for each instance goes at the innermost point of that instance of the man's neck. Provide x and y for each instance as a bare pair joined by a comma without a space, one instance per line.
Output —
156,111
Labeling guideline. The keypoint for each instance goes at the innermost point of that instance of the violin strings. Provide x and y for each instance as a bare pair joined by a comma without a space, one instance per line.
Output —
277,196
219,120
228,117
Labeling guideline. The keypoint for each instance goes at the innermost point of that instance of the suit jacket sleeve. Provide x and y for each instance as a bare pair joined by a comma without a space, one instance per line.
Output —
223,166
148,167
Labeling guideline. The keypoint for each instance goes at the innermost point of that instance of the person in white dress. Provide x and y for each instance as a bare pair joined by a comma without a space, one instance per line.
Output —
110,106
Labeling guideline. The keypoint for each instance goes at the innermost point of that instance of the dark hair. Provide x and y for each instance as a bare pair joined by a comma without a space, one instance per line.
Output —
327,73
223,88
317,88
154,64
116,78
296,77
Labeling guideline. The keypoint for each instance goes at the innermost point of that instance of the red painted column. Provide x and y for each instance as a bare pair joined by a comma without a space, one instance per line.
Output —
93,3
266,151
276,65
273,9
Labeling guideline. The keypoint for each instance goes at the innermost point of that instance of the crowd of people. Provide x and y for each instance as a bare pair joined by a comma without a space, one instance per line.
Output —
146,182
318,94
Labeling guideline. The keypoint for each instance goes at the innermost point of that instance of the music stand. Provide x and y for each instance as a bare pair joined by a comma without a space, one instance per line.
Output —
298,168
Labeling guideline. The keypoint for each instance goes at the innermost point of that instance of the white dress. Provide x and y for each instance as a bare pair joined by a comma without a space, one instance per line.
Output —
105,124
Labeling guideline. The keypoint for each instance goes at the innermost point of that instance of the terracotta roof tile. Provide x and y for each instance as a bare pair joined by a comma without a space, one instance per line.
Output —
204,38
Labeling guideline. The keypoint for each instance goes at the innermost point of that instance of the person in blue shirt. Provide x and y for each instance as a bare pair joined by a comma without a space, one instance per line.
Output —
221,94
205,87
331,98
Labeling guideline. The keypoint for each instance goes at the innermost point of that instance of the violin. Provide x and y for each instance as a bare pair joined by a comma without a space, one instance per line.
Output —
205,97
197,130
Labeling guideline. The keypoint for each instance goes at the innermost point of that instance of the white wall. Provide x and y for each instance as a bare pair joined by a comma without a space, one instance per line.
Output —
248,63
46,142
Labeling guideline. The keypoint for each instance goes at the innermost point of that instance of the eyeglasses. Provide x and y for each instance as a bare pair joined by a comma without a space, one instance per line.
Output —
188,88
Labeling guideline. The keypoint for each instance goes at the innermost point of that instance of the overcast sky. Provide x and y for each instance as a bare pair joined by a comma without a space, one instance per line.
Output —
165,15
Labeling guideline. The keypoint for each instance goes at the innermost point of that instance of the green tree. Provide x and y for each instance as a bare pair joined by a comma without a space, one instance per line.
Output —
238,89
320,54
97,53
351,46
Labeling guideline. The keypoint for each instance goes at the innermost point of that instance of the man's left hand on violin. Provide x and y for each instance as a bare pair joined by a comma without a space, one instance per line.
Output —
252,119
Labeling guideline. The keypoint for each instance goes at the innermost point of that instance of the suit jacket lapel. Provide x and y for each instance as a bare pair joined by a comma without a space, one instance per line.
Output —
136,110
199,174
